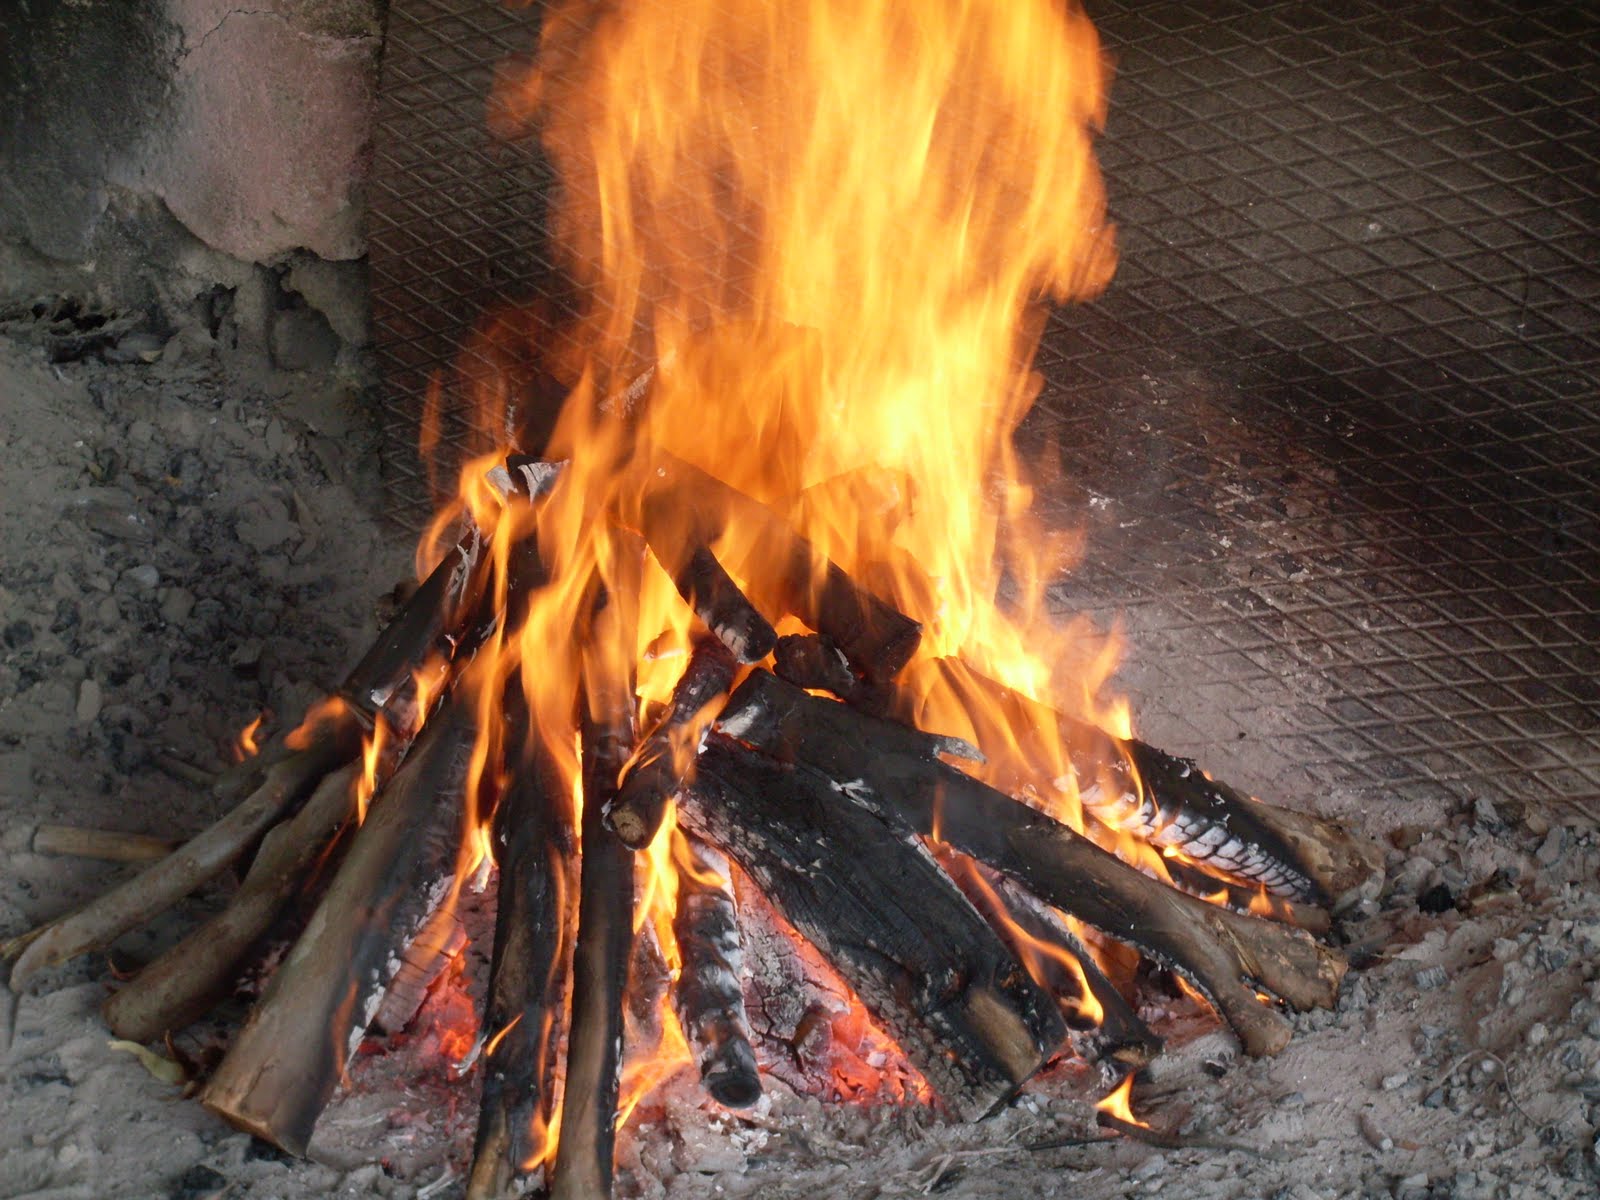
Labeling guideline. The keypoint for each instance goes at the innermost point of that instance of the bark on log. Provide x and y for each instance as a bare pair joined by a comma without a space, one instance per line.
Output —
286,782
710,988
285,1062
1224,830
666,755
183,984
894,768
690,509
529,975
870,897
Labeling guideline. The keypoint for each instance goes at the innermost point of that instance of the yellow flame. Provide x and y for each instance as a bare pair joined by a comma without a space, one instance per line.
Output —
245,744
1119,1103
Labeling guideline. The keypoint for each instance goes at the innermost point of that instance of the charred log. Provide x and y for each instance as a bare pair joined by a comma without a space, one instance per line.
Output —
285,1062
787,573
710,991
871,898
895,770
1102,1023
600,957
528,975
1178,805
717,601
666,754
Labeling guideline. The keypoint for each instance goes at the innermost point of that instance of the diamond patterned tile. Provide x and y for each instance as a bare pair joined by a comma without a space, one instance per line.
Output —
1334,428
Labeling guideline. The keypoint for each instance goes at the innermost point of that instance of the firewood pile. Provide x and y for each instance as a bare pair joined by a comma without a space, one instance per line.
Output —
795,759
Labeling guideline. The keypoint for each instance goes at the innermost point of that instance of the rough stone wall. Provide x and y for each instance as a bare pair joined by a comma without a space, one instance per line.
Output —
152,153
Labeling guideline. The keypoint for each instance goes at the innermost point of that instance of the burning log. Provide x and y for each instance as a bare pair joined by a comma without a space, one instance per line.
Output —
183,984
717,600
895,770
1187,877
871,898
788,574
285,1062
528,974
583,1164
1170,802
710,993
1106,1025
664,758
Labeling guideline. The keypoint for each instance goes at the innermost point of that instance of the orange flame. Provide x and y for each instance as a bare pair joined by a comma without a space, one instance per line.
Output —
1118,1103
244,742
812,237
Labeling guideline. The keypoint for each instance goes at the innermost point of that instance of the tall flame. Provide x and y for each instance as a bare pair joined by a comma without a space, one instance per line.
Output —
812,237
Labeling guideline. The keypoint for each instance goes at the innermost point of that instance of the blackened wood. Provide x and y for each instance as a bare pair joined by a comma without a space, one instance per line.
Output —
786,573
1220,828
710,988
869,896
717,601
288,778
1244,898
184,983
583,1165
890,766
529,973
667,754
431,620
1046,945
287,1059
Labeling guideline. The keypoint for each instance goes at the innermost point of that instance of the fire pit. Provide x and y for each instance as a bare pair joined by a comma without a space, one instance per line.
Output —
866,767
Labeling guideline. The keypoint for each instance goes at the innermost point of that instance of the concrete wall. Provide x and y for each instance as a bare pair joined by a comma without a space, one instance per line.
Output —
152,151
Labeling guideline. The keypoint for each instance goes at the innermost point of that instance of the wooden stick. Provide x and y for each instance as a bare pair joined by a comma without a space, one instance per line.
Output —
1223,830
893,767
583,1165
107,845
870,897
689,509
710,993
529,974
667,754
287,781
183,984
285,1062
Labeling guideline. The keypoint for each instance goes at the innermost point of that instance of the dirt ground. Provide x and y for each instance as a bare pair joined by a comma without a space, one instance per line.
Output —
184,545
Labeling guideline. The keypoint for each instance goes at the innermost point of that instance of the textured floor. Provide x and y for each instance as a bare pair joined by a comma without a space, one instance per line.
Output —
1334,428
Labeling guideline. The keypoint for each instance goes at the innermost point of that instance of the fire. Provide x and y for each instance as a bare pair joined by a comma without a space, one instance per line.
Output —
1118,1104
244,742
813,237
